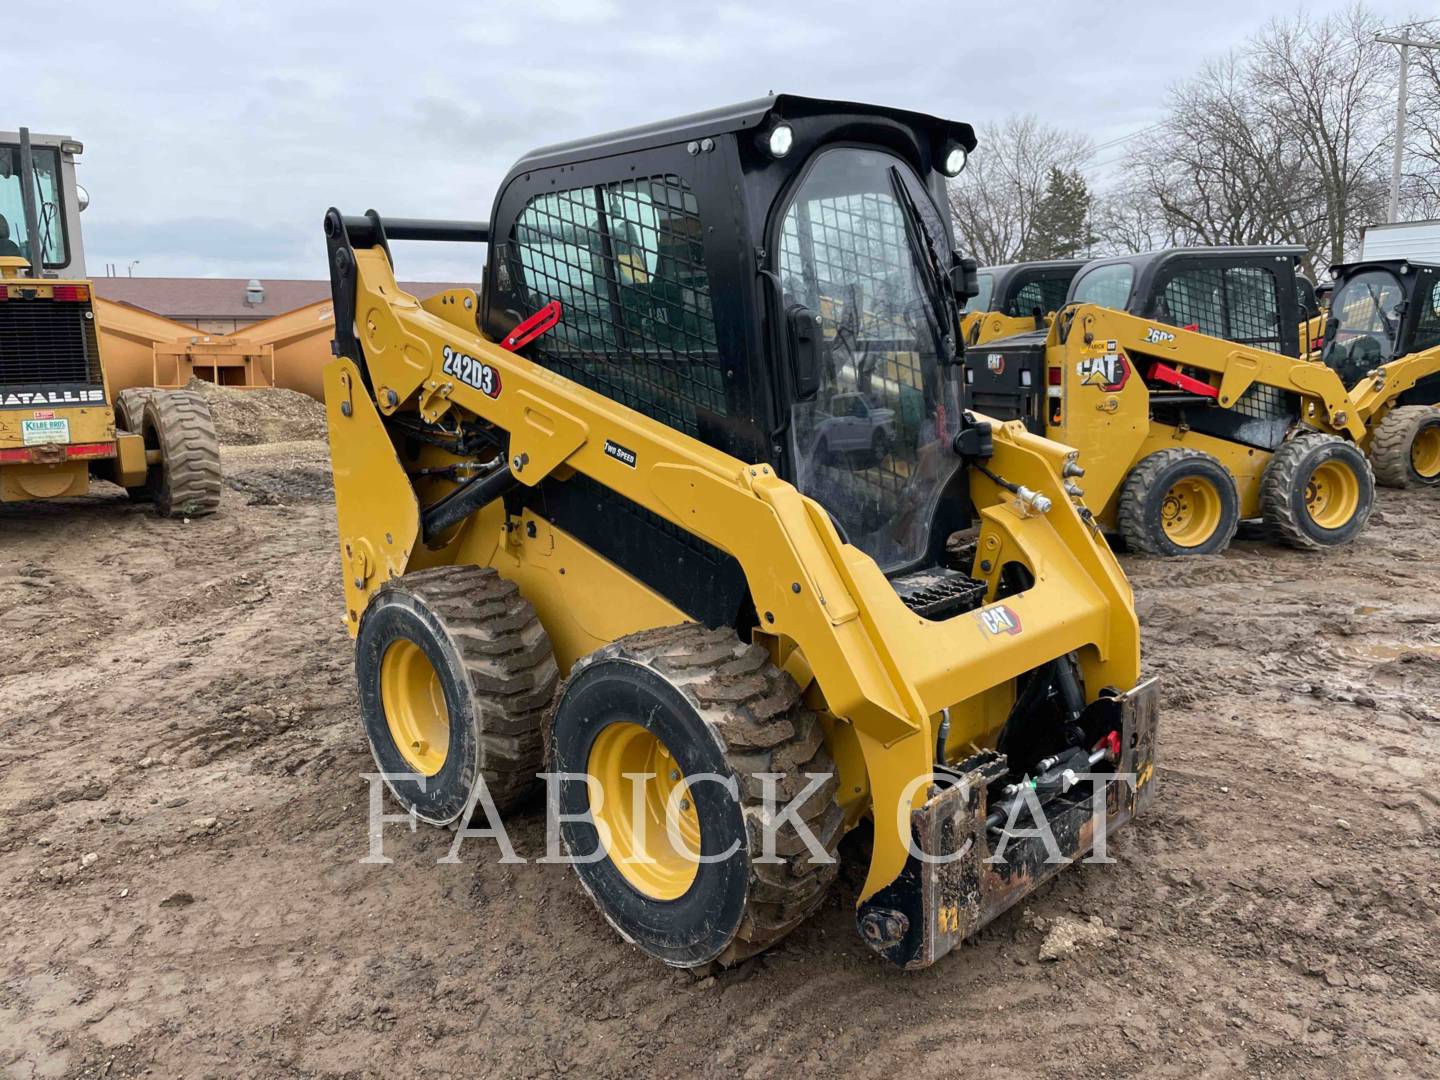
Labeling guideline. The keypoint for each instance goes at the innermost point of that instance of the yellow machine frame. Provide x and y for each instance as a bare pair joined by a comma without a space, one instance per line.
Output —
57,470
829,616
1113,429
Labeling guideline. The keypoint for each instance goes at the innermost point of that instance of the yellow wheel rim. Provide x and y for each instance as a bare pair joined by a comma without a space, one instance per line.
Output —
1425,452
1190,511
657,861
1333,494
414,703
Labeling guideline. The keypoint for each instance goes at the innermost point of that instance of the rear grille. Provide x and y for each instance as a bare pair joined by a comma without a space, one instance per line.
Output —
46,343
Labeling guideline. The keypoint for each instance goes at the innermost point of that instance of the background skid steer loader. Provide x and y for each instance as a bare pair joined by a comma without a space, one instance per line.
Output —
605,466
1180,378
1016,298
1382,337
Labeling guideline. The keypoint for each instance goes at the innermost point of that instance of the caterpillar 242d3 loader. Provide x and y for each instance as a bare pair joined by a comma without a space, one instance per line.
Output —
59,423
637,459
1179,377
1016,298
1382,337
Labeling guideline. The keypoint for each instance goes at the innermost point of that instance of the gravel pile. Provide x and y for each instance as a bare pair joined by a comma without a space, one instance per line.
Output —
248,417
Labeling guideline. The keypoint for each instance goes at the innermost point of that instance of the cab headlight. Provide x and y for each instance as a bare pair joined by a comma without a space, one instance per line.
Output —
954,163
782,137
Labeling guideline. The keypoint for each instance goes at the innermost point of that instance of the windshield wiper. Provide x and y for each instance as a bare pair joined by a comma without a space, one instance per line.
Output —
931,274
1380,310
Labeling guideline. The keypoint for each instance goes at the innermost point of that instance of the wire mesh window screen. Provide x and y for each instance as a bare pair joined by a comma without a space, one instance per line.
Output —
1238,303
1253,307
1267,402
1047,294
626,262
1427,328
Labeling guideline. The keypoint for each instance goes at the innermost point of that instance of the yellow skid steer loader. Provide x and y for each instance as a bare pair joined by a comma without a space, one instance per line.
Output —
670,505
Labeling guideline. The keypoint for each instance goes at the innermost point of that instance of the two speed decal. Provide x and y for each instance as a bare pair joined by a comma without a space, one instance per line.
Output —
471,372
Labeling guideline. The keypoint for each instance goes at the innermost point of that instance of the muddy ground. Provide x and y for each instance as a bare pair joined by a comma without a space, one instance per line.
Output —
182,819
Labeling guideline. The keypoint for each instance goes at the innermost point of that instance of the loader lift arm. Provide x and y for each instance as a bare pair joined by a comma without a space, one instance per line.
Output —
396,354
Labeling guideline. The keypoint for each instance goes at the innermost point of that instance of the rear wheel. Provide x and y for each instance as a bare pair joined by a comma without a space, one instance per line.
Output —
454,672
1179,502
130,408
1406,448
678,725
1318,491
185,482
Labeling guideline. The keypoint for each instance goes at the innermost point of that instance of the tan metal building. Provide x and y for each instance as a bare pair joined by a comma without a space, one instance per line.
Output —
224,305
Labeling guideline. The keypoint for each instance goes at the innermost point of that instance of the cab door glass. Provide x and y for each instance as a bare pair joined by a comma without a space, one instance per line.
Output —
1106,286
49,206
1365,314
871,445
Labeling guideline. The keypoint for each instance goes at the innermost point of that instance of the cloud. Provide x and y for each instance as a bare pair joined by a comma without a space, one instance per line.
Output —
217,133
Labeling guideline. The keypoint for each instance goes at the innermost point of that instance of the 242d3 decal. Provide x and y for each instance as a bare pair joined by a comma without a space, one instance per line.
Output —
470,371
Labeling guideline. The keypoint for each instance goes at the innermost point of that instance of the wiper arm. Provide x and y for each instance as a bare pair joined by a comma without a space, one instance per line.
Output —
931,274
1379,310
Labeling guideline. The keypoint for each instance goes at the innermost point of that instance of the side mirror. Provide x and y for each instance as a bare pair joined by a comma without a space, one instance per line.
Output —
805,335
965,278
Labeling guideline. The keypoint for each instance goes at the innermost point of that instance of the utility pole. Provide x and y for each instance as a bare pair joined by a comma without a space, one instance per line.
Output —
1406,43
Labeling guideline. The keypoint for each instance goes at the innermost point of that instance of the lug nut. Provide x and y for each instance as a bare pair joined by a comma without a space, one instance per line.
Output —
1072,469
1072,488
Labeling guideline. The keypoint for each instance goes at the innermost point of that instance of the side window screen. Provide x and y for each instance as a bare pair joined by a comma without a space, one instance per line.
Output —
1193,300
627,264
1046,293
1237,303
1252,307
1427,329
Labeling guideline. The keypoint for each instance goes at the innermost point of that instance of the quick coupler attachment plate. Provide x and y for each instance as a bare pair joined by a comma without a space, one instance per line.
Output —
971,873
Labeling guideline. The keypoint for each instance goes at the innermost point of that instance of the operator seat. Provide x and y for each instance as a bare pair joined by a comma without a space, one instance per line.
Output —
7,246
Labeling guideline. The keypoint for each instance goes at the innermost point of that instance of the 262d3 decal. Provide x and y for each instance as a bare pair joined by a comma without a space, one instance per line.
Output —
470,371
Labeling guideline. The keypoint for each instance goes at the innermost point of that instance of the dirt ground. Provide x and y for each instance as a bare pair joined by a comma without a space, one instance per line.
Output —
182,819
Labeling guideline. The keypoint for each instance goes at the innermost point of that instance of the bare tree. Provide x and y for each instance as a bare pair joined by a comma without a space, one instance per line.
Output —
1327,87
996,200
1420,190
1221,171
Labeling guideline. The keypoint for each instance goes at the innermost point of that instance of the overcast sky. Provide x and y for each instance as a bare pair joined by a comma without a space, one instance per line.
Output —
216,134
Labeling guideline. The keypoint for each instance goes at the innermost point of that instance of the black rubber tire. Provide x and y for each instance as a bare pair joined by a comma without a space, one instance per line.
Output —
720,707
1390,450
1142,500
497,671
186,480
130,418
1284,483
130,408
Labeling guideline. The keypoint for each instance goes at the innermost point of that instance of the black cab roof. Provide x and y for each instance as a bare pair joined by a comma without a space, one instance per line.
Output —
1148,265
727,119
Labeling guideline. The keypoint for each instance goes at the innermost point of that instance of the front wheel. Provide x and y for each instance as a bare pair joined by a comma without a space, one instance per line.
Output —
679,731
185,482
1318,491
1406,448
1179,502
454,672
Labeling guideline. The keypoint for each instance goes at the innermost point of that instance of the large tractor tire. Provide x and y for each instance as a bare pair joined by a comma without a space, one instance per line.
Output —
677,705
1179,502
1318,491
185,482
130,408
1406,449
455,673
